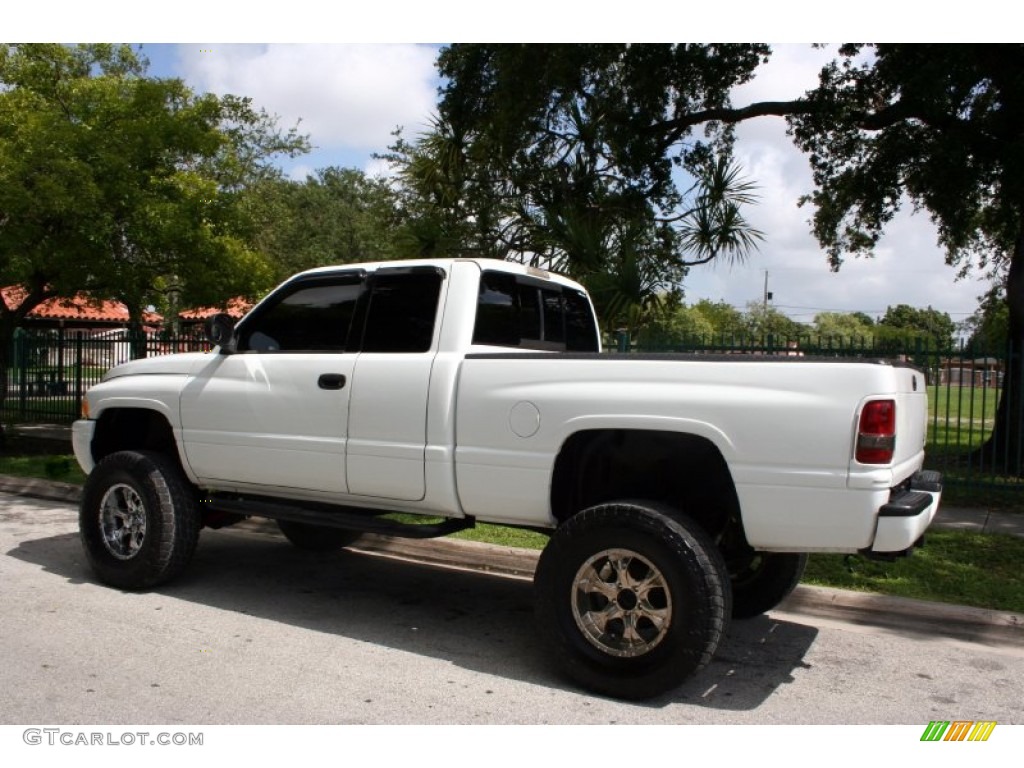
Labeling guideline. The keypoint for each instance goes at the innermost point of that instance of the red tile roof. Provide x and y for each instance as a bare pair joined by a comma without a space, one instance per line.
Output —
85,309
81,308
235,307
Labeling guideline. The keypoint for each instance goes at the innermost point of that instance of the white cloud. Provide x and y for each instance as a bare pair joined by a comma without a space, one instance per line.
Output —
908,267
350,96
300,172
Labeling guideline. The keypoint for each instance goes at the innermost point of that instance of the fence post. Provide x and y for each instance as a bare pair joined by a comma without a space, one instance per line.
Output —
78,372
21,363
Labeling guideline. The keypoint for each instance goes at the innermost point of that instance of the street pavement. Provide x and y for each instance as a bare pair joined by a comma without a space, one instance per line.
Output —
258,631
997,628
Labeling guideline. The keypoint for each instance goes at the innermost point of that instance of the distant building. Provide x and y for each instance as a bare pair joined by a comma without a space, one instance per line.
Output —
976,372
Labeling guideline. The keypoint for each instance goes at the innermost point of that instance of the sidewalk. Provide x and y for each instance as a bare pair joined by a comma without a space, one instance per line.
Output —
979,520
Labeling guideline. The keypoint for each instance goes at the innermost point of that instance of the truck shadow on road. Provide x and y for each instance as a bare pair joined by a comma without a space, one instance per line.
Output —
478,621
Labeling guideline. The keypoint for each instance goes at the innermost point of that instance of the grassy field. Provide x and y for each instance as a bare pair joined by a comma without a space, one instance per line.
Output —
960,417
62,467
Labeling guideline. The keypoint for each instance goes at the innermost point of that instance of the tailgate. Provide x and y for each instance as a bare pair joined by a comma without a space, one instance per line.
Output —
911,421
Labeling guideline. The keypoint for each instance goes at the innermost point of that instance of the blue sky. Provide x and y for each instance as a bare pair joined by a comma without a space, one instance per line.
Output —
348,98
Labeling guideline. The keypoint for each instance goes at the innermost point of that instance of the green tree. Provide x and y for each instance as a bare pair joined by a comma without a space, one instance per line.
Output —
336,216
930,325
679,325
848,328
549,134
121,186
763,321
987,327
725,320
940,126
448,204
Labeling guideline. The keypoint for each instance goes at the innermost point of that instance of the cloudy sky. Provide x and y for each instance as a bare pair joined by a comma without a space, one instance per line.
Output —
350,97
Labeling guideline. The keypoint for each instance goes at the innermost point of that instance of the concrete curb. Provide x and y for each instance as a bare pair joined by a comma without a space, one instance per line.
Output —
37,488
859,608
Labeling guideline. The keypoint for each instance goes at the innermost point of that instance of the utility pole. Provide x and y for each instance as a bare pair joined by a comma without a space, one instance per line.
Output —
767,293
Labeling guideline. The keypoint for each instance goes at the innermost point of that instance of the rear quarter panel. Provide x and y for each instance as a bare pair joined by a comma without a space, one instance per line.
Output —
785,428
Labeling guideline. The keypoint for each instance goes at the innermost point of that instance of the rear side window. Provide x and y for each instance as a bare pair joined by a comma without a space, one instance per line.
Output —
313,316
532,314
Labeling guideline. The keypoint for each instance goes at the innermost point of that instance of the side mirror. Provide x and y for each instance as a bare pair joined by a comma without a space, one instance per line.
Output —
220,331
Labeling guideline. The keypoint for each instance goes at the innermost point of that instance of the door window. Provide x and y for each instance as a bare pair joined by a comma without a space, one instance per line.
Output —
403,310
315,315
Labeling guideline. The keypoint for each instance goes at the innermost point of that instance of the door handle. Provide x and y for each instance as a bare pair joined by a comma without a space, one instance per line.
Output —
331,381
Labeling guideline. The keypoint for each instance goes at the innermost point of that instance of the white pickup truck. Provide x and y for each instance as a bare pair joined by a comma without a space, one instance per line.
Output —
678,490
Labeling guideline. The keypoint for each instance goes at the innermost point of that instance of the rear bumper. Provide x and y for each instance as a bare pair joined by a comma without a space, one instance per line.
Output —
903,520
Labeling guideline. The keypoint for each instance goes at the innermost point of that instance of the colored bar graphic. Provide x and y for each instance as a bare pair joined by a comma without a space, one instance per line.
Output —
935,730
982,730
958,730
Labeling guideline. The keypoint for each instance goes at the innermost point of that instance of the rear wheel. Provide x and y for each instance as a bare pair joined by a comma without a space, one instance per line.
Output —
138,519
317,538
762,580
633,598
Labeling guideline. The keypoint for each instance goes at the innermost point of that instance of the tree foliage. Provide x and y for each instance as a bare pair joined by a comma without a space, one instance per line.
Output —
904,322
845,327
123,186
543,153
335,216
765,320
113,183
987,327
943,127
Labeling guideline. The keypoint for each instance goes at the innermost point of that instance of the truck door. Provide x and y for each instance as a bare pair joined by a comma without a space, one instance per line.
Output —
274,414
387,425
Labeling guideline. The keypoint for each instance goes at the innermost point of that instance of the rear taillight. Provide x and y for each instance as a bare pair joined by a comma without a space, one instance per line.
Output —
876,433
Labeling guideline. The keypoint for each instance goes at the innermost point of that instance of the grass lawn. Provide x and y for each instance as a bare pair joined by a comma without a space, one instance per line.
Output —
954,567
62,467
981,570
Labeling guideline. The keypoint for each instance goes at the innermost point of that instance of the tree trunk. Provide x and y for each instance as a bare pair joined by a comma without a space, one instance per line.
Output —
1004,450
136,330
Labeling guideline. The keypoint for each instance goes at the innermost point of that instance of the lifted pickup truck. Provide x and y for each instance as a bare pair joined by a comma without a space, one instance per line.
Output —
678,490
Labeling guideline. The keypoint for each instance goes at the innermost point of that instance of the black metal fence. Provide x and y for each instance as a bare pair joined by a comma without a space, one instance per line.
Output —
51,370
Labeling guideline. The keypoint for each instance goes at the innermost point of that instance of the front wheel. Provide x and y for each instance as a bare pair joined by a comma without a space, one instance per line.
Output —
138,520
633,598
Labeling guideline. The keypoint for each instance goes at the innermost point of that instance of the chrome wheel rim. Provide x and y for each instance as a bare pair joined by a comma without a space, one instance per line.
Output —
122,521
621,603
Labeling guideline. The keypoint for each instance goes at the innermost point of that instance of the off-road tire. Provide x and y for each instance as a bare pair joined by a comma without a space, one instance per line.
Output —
138,520
317,538
667,581
763,580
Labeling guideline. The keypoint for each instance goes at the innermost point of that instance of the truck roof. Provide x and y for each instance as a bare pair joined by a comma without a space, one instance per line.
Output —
484,264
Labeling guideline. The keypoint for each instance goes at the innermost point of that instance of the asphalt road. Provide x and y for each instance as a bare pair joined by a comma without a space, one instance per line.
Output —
259,632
